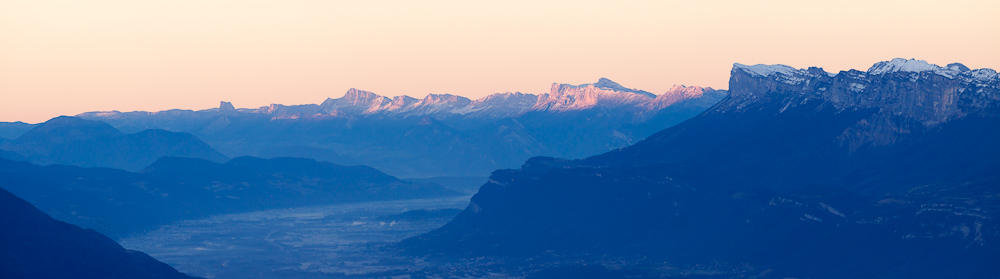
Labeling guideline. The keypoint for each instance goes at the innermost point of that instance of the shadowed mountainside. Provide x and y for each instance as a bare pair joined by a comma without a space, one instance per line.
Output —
33,245
798,173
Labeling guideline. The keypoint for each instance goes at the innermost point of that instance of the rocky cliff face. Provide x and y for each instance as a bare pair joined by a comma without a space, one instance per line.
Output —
225,107
904,93
356,102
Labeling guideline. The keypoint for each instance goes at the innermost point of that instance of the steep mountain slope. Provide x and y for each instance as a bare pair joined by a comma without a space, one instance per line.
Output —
798,173
440,134
33,245
117,202
75,141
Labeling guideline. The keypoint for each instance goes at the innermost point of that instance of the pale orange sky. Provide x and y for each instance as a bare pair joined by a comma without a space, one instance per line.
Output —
63,57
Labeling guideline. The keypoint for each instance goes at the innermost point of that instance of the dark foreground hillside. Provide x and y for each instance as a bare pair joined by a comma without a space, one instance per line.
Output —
33,245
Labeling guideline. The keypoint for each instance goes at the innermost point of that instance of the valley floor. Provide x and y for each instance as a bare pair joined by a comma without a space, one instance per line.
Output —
355,241
307,242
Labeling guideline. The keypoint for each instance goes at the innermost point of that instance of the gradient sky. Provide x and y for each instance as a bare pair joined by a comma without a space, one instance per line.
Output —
63,57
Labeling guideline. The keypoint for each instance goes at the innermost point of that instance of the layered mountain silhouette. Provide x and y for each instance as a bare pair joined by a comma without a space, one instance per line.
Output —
885,173
33,245
88,143
12,130
117,202
440,134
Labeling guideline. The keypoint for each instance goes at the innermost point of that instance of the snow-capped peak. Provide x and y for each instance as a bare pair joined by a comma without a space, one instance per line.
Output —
767,70
356,101
984,74
499,105
604,92
902,65
686,91
431,99
783,73
356,96
400,103
679,93
606,83
915,66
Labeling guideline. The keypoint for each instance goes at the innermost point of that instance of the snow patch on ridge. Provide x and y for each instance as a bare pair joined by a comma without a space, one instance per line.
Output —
783,73
857,87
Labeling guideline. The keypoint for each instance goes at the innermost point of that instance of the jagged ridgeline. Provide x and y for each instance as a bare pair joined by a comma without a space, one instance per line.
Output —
439,135
887,173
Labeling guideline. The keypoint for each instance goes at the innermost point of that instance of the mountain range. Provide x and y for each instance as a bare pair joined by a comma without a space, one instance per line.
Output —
439,135
886,173
33,245
88,143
